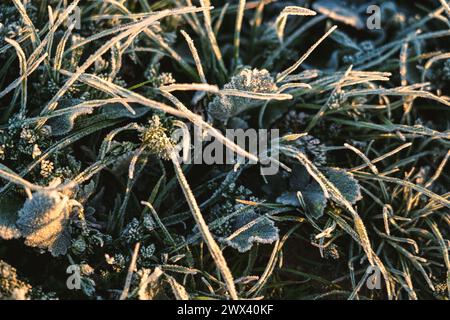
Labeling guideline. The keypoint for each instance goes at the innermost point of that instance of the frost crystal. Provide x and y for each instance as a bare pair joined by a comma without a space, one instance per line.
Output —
259,81
9,205
148,222
21,143
331,252
44,220
11,25
79,246
157,78
46,168
118,261
145,254
345,182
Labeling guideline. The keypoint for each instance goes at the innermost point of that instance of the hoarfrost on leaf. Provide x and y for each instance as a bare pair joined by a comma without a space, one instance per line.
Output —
43,221
258,81
11,287
248,228
345,183
63,124
312,147
303,186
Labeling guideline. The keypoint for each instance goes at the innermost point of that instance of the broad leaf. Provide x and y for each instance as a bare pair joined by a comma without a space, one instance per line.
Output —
63,124
249,228
302,185
44,220
345,183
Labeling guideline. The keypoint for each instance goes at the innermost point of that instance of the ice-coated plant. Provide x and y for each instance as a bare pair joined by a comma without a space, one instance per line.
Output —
258,81
44,222
312,147
65,123
133,231
22,143
305,192
239,225
11,24
248,228
363,180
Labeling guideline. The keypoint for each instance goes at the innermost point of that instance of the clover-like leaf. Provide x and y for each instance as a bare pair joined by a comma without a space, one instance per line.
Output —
314,199
248,228
43,221
312,196
306,189
345,183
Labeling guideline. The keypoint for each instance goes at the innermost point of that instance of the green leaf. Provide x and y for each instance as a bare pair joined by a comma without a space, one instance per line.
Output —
315,200
308,189
117,111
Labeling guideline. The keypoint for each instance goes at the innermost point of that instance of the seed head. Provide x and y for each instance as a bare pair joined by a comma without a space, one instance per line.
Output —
156,139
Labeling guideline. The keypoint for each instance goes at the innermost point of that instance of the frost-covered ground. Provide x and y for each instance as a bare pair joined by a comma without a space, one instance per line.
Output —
99,99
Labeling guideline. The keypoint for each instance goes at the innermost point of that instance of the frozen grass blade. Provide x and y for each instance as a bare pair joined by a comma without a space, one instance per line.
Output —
206,5
23,72
214,249
194,52
237,30
288,11
446,6
291,69
131,269
136,29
